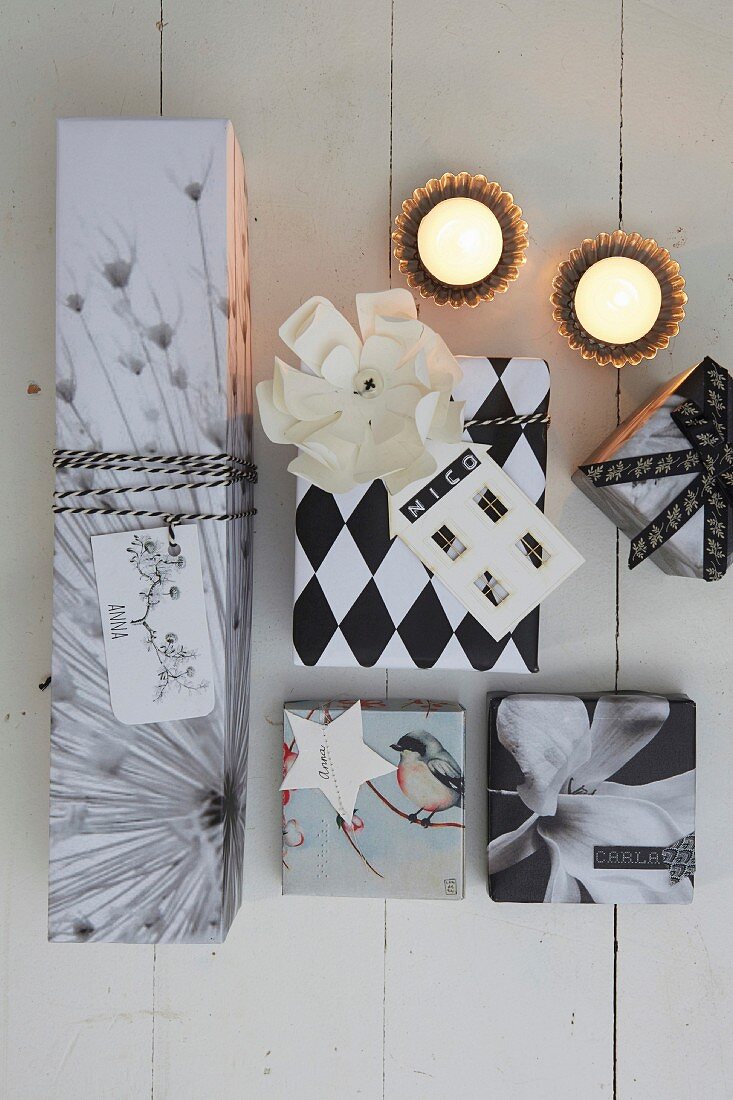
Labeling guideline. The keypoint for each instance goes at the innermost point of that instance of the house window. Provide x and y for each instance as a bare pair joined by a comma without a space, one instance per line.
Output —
491,588
533,549
449,543
490,504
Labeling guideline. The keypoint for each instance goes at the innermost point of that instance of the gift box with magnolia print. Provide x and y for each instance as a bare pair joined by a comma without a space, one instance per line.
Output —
591,798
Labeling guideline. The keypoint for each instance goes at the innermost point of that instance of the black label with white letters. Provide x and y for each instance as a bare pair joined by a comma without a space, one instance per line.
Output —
632,857
440,485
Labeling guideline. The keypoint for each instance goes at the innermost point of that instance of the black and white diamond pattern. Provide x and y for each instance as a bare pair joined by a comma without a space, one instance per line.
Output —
361,599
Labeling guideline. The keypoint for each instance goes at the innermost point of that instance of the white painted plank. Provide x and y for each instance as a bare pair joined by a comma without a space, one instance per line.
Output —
486,999
675,968
480,998
74,1019
293,1002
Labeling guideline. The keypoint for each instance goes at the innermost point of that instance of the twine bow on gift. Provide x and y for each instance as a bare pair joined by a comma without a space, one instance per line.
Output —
710,457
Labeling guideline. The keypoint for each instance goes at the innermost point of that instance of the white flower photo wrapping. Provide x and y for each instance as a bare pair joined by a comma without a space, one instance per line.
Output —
570,767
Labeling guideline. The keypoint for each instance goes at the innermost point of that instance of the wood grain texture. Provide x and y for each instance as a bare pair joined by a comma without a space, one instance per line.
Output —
292,1003
71,1020
341,111
675,972
467,1011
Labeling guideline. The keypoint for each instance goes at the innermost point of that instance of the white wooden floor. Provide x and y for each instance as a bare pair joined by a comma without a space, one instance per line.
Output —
342,108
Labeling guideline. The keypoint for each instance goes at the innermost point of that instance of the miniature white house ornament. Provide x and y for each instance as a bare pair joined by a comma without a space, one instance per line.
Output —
475,529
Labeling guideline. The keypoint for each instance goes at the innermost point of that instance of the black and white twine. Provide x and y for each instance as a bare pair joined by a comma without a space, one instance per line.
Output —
206,472
500,421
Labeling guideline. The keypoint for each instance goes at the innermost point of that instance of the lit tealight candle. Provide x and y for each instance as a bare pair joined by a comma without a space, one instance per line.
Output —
460,241
617,300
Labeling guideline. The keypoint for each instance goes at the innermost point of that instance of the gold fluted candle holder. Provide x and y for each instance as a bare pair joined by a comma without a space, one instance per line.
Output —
645,251
422,201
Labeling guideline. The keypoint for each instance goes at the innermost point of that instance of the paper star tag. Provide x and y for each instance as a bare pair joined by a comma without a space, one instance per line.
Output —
334,759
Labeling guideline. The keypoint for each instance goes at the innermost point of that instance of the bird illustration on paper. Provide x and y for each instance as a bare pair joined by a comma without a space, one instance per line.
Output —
428,775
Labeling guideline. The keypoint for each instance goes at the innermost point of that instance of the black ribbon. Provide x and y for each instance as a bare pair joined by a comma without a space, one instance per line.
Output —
710,458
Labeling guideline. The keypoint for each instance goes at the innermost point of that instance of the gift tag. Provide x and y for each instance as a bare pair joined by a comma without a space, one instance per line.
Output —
334,759
156,637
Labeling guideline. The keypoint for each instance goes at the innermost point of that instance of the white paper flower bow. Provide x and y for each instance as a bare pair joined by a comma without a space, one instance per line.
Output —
362,408
566,762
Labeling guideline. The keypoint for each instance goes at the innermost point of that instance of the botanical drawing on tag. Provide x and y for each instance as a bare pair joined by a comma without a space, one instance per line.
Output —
156,637
160,574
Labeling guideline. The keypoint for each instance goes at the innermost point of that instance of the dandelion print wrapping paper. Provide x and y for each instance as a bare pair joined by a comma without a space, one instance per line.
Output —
591,798
147,821
405,839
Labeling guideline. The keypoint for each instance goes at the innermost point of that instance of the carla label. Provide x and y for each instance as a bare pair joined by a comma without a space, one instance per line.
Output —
609,857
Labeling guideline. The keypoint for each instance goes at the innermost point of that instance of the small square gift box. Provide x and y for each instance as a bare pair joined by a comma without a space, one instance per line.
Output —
363,598
373,799
591,798
665,475
150,685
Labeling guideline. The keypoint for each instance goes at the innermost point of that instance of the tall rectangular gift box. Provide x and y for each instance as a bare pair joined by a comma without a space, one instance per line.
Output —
592,798
394,846
363,599
153,358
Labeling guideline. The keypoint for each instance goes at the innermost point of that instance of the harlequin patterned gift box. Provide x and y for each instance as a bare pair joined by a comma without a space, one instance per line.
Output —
153,358
665,475
362,598
591,798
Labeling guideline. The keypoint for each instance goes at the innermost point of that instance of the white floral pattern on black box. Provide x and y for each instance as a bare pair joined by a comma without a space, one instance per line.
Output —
591,798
